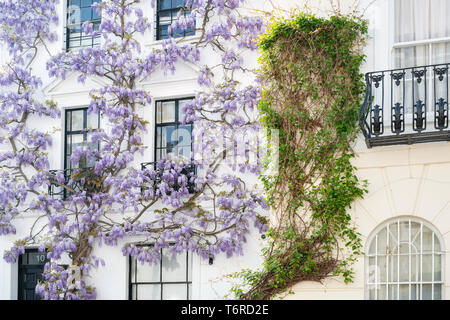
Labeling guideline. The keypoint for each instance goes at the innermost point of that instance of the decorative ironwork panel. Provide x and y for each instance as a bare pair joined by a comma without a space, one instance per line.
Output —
414,103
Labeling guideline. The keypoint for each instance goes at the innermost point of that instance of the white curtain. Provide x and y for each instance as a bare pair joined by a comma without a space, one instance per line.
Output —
421,20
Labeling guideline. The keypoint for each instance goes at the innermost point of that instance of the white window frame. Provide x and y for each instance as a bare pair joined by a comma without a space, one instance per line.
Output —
395,45
373,237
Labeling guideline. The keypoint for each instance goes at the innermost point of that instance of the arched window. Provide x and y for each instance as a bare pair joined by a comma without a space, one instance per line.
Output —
404,261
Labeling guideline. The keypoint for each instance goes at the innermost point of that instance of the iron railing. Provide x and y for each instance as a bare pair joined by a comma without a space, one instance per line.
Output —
77,179
186,171
406,106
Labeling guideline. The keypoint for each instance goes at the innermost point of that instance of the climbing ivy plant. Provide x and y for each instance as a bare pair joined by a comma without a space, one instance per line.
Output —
312,92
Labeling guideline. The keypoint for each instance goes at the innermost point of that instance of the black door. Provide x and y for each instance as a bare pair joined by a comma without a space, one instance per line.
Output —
31,267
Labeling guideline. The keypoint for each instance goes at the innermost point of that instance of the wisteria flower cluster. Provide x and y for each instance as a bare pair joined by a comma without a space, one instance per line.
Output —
202,205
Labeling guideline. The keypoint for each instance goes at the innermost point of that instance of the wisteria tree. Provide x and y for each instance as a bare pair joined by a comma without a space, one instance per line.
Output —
109,197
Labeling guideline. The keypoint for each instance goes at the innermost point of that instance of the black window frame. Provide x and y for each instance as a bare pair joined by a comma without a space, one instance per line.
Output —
176,123
136,284
67,132
81,38
173,13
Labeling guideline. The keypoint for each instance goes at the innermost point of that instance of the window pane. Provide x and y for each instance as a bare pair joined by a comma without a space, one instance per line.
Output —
168,137
86,3
175,291
427,240
85,14
149,292
381,238
174,268
177,3
437,267
148,273
441,53
426,265
411,56
168,111
426,292
437,292
165,4
404,292
184,135
381,294
181,106
92,120
77,120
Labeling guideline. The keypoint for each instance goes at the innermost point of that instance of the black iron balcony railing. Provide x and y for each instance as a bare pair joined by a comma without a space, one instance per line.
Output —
406,106
77,179
186,171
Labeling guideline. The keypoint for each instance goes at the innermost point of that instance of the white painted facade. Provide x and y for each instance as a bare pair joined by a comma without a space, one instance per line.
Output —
405,181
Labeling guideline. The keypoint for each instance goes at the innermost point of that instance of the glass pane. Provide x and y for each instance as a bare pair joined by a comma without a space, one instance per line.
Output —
174,268
148,273
177,3
175,291
411,56
426,265
437,244
74,3
36,258
441,53
427,239
86,3
74,15
168,137
415,267
168,111
86,14
381,293
393,268
382,243
95,15
184,152
92,120
437,292
165,18
133,270
86,41
437,267
181,106
404,292
184,135
372,247
382,268
77,120
149,292
372,270
426,291
415,292
158,112
404,232
75,32
371,292
393,238
133,292
74,43
165,4
404,268
393,292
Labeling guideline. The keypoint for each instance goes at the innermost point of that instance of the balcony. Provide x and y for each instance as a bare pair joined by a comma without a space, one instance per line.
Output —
77,179
406,106
186,171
